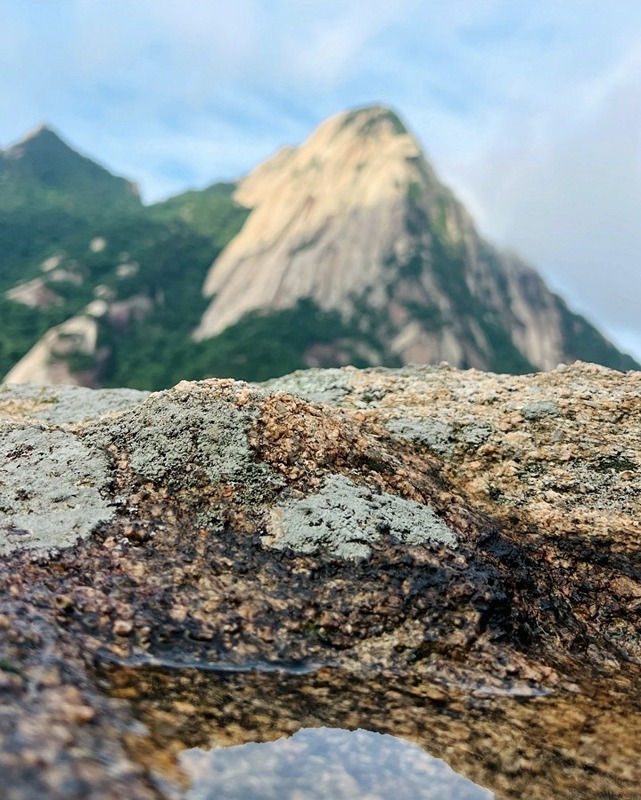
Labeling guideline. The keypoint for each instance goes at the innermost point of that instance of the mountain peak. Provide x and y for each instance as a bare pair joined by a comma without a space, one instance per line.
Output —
375,125
343,192
42,165
44,129
345,249
42,137
356,222
366,120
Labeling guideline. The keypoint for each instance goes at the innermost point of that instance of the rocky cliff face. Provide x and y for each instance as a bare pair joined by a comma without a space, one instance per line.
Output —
356,220
324,219
67,353
345,250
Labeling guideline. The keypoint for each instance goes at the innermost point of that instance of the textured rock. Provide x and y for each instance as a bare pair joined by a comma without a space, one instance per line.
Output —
452,557
344,520
50,488
63,405
47,361
54,489
356,220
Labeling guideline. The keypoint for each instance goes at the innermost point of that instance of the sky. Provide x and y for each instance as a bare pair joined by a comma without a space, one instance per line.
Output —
530,110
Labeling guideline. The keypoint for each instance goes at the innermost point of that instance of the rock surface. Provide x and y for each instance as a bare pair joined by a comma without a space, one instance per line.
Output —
452,557
47,361
356,221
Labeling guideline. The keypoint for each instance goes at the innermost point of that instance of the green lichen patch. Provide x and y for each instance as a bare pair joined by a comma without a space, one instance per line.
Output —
344,520
51,488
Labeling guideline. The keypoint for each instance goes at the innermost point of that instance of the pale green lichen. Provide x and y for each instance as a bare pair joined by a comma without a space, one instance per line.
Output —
51,488
433,433
180,438
345,519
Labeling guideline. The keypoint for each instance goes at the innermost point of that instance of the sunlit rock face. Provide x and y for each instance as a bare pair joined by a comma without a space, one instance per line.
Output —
55,358
446,556
356,221
324,219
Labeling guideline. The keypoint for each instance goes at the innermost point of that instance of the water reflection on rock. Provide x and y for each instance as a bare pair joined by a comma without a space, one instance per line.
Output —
325,764
566,746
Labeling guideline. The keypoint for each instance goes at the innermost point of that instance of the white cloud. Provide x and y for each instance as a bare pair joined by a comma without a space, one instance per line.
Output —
563,185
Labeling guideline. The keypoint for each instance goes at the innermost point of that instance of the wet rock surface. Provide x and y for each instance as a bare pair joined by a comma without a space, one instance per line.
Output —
321,762
451,557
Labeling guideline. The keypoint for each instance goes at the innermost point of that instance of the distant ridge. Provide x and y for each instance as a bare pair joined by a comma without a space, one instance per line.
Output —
345,250
41,170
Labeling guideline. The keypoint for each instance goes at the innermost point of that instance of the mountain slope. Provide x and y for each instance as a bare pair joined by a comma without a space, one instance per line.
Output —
356,221
42,171
346,250
49,192
137,280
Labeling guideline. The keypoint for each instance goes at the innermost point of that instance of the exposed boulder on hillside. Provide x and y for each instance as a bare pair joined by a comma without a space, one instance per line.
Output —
66,354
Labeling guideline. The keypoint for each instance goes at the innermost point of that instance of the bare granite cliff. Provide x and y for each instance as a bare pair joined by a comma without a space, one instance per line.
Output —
450,557
48,361
325,217
346,250
356,221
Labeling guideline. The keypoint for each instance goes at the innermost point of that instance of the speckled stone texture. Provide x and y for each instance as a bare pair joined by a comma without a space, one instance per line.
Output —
451,557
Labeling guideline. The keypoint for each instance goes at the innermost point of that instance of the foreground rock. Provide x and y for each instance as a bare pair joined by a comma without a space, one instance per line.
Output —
452,557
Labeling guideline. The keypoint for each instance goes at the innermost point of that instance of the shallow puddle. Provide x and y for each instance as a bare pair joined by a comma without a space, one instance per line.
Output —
324,764
324,733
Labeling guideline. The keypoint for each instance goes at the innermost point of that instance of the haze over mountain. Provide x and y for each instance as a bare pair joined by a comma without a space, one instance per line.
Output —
346,249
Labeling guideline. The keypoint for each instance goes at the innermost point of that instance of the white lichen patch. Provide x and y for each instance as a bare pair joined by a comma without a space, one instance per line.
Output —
51,489
345,520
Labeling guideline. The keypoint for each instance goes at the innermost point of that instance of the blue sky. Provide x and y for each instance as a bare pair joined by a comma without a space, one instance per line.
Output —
529,109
